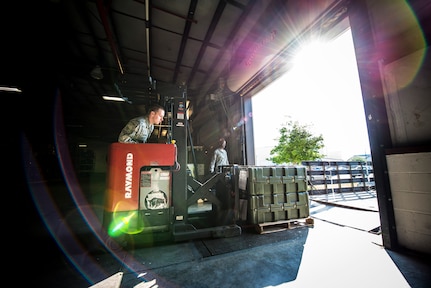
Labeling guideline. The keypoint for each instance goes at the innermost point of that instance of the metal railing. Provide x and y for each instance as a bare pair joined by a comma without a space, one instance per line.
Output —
339,176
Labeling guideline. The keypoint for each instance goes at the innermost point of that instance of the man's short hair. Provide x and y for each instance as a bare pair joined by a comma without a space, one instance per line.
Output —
155,108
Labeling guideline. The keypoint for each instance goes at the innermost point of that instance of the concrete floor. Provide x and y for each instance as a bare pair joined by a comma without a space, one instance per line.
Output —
342,249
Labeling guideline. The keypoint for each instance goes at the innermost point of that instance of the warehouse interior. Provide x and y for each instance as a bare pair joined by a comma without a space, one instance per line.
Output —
65,55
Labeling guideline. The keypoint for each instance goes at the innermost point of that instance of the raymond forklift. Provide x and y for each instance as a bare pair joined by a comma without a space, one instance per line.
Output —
151,195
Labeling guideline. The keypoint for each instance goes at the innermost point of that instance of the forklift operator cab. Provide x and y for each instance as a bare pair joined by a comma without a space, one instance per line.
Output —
139,191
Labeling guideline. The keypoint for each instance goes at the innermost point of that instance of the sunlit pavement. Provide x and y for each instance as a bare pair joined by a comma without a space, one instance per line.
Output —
339,256
340,251
357,210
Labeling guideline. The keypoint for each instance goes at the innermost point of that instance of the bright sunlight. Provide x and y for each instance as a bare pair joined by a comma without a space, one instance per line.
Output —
321,91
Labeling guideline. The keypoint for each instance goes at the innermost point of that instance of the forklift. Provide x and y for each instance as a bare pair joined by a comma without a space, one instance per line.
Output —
151,195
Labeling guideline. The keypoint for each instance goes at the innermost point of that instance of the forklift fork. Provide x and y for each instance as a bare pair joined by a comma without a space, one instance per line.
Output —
203,191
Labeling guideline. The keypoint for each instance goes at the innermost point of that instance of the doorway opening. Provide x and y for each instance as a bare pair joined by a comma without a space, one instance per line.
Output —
322,92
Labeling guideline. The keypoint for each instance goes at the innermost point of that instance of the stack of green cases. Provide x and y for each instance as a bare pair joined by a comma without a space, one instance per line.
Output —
277,194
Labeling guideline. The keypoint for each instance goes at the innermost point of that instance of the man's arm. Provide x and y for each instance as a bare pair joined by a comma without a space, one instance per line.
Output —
213,162
128,133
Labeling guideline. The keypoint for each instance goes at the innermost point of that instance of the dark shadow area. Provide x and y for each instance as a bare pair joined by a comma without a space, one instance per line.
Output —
414,267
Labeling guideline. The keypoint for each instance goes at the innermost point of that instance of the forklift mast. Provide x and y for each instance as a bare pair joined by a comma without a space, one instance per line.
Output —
184,226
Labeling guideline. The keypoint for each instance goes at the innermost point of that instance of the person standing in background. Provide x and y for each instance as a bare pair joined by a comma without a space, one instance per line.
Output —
139,129
219,157
222,188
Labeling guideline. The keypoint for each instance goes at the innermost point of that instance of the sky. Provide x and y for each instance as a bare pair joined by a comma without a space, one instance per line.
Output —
321,91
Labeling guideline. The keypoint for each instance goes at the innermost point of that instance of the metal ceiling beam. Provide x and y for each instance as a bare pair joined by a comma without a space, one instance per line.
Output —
231,37
192,10
216,18
109,34
147,35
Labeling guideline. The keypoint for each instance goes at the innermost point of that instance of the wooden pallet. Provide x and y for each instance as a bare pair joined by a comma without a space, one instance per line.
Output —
270,227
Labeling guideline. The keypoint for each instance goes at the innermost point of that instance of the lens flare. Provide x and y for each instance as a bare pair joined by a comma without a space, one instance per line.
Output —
120,223
125,223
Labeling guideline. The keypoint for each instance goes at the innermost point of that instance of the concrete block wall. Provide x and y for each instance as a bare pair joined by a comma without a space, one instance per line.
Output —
410,180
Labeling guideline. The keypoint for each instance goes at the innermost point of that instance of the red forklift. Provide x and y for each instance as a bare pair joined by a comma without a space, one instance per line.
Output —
151,196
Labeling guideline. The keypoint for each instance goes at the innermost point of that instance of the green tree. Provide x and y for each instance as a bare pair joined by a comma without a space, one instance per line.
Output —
296,144
358,158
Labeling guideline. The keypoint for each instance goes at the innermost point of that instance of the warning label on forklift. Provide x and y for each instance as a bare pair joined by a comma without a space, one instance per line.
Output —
155,189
